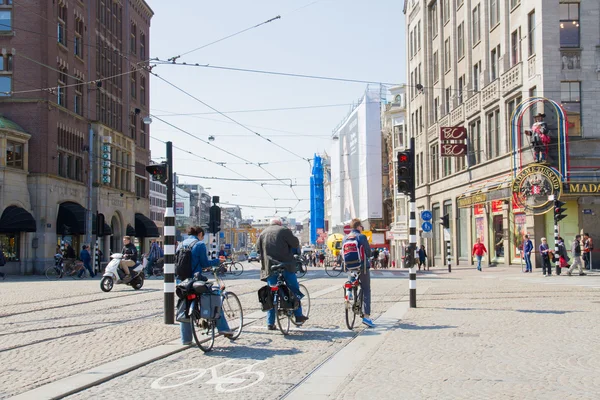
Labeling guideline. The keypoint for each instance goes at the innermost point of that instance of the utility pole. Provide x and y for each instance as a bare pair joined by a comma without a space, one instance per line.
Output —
406,185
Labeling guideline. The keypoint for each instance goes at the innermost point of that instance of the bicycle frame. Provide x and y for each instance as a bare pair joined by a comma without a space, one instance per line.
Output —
349,285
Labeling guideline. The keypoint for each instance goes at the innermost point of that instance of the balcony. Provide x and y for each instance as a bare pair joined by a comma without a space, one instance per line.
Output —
432,132
531,67
490,93
457,115
472,105
443,122
511,79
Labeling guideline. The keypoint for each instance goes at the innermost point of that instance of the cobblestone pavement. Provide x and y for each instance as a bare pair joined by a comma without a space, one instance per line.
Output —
261,364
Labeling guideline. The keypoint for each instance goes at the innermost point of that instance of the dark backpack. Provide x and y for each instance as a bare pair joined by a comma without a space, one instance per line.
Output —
183,261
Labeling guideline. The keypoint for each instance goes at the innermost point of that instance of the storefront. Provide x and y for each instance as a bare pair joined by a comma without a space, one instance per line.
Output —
15,222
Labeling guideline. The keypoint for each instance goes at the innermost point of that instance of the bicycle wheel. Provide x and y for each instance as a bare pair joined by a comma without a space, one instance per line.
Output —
233,312
236,268
332,270
305,304
358,303
350,306
284,318
300,270
203,326
53,273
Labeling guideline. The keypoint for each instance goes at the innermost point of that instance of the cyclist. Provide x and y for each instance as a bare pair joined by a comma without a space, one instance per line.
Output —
275,244
365,277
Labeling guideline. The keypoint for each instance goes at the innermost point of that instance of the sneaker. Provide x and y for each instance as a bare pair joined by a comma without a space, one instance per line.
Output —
186,343
545,275
227,334
582,274
271,327
300,319
368,322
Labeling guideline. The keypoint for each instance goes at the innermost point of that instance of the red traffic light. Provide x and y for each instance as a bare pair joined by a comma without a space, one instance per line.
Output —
403,158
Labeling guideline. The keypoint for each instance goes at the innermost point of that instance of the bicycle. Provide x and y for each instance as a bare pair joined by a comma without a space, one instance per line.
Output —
353,298
61,268
235,268
208,303
285,307
301,266
333,268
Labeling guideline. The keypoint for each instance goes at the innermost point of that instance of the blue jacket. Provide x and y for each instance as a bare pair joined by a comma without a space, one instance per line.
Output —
84,255
199,255
363,242
528,247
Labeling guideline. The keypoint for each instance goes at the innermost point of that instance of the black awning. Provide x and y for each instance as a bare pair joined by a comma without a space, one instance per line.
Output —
107,230
145,227
130,231
71,219
16,219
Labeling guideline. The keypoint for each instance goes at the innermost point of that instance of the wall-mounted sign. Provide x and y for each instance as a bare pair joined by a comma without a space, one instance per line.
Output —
582,188
453,133
453,149
533,187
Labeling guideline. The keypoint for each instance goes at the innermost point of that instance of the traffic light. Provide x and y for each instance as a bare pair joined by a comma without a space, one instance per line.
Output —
159,172
445,221
99,224
406,172
559,210
214,223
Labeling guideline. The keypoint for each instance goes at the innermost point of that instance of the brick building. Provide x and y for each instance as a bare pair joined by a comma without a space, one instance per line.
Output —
73,77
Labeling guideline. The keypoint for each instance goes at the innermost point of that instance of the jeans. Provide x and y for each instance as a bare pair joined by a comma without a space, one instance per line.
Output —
149,266
586,260
479,258
527,262
546,265
292,282
365,285
87,266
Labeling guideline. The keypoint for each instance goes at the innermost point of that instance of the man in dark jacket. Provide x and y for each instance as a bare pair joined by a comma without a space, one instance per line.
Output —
85,256
129,259
275,245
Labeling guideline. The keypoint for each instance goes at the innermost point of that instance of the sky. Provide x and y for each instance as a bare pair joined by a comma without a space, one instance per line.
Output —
350,39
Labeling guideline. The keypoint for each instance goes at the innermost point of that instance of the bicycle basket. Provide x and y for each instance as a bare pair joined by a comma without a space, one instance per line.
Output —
287,300
210,306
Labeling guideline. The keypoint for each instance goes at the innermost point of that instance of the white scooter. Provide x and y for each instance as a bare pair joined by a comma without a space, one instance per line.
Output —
113,273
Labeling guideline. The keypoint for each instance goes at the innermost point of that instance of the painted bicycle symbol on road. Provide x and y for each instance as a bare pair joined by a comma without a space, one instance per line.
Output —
232,381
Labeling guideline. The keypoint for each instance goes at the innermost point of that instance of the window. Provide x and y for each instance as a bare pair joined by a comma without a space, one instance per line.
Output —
70,167
446,11
133,125
533,108
460,37
447,60
434,19
460,163
476,71
511,105
412,84
531,33
435,156
10,245
61,91
78,38
448,99
494,54
459,3
140,187
436,108
494,13
436,67
514,3
79,169
475,142
420,119
446,166
14,154
143,138
476,34
5,20
5,85
133,38
418,76
79,97
61,165
62,23
399,136
569,25
421,169
6,63
133,80
515,47
143,90
412,43
142,46
461,84
570,98
493,136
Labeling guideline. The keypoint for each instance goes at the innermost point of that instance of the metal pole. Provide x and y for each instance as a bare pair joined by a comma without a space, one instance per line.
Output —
448,256
169,235
556,256
90,188
412,236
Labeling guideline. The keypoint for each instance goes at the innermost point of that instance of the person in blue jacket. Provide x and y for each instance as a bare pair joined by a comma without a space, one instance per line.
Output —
85,256
527,249
199,261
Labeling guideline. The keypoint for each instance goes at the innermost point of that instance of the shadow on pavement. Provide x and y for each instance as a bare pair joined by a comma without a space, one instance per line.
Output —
424,327
558,312
252,352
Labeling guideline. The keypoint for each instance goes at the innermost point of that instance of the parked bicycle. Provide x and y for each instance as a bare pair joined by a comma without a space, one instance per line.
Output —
207,302
286,305
353,298
63,268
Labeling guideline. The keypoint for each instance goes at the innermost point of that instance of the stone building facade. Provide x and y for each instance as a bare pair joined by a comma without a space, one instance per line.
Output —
478,64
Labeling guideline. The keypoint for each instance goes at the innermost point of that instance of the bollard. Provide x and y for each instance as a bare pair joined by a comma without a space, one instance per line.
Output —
412,232
169,266
448,255
556,256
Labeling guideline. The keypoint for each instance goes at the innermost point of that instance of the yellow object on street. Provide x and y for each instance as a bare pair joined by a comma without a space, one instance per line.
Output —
334,243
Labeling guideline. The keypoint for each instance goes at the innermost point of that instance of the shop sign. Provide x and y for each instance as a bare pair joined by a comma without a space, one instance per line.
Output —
478,209
581,188
497,206
471,200
499,194
533,187
389,235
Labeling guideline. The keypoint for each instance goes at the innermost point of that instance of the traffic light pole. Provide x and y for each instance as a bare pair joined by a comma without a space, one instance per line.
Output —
412,236
169,235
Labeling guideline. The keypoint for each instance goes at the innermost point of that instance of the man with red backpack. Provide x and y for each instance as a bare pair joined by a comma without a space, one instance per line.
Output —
356,253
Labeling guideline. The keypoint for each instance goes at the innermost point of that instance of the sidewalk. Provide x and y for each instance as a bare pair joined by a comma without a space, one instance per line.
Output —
499,334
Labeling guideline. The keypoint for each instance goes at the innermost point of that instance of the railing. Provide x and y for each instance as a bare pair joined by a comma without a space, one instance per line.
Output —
457,115
444,120
472,105
490,93
432,132
511,79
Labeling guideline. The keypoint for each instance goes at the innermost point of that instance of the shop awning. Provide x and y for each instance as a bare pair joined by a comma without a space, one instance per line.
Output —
129,231
16,219
497,188
145,227
107,229
71,219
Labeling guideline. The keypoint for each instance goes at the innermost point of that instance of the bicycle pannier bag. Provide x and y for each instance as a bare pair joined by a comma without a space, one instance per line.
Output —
210,306
265,298
183,261
182,307
352,252
287,299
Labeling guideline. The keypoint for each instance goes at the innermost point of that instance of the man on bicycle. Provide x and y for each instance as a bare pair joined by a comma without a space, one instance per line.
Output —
365,277
275,244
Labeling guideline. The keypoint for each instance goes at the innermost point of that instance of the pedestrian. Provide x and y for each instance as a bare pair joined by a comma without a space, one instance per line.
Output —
195,240
153,256
545,253
422,256
478,251
527,249
576,253
70,252
588,246
85,256
2,263
321,259
563,258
